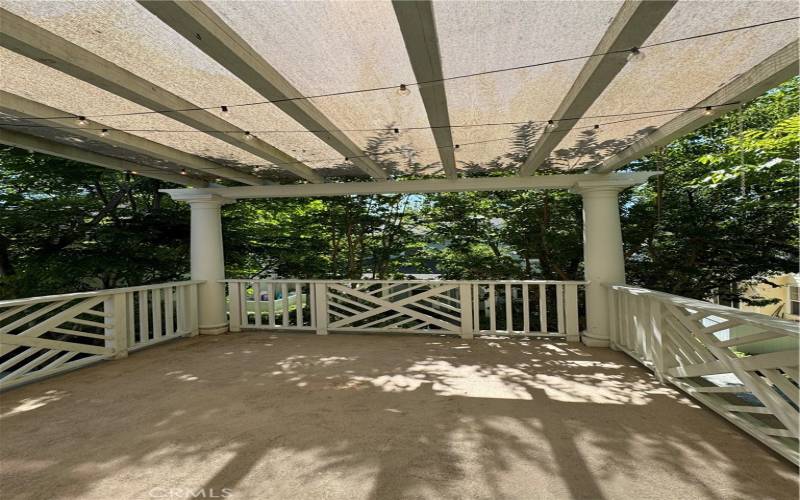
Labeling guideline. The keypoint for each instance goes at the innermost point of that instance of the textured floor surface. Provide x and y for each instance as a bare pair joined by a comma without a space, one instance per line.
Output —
294,416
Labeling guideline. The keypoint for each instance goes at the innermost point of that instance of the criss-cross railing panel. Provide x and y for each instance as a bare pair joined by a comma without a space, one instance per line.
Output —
742,365
42,336
541,308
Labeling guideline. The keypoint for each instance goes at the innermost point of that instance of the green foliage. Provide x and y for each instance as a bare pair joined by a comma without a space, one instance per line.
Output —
724,212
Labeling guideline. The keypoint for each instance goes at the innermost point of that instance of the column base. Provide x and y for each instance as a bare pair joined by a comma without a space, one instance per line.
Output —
214,329
594,342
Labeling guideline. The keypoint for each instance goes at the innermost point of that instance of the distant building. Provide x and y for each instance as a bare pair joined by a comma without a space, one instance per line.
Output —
787,292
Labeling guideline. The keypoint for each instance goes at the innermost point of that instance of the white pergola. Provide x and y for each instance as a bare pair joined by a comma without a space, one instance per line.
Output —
286,99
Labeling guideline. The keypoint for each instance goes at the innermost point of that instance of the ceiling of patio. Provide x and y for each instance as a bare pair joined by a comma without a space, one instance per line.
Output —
332,47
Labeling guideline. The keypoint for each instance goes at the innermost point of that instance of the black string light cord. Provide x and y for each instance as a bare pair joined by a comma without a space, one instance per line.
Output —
145,169
397,130
428,82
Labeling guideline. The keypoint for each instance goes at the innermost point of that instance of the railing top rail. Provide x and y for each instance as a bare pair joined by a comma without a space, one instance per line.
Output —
789,327
451,282
95,293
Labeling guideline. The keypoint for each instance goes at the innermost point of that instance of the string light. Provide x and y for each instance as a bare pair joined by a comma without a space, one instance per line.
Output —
550,125
397,131
248,136
104,132
635,54
457,146
134,172
183,171
225,111
82,121
709,111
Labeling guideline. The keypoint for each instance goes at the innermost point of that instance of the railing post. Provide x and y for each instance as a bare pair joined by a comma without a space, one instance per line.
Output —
658,349
234,308
191,310
571,312
321,307
116,307
466,304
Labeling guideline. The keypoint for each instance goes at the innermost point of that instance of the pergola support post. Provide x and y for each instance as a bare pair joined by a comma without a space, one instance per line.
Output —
207,261
603,256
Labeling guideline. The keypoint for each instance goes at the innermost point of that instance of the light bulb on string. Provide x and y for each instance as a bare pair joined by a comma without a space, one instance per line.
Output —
403,90
397,131
134,172
550,125
82,121
183,171
709,111
104,132
248,136
635,54
596,128
225,111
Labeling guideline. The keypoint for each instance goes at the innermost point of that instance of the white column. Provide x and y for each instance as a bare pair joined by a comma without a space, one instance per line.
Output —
208,261
603,256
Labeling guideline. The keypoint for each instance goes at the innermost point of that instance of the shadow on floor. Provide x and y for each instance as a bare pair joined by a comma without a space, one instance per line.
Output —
261,415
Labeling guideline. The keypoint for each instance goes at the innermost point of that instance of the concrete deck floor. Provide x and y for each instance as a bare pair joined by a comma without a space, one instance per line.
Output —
285,416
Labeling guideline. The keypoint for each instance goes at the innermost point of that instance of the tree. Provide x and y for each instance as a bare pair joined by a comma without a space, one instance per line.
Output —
725,211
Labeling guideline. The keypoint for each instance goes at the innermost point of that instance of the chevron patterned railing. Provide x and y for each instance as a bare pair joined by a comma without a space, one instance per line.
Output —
42,336
542,308
742,365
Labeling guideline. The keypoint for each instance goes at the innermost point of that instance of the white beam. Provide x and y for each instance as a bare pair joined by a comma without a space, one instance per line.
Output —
73,153
776,69
25,108
200,25
512,183
632,25
34,42
422,44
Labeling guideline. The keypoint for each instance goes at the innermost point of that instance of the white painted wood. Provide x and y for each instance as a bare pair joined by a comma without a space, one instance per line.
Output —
235,307
32,41
169,320
560,308
298,304
465,296
21,107
675,337
509,309
418,28
321,308
158,328
515,183
630,27
771,72
526,309
492,309
543,308
41,145
257,303
144,316
285,300
571,313
201,26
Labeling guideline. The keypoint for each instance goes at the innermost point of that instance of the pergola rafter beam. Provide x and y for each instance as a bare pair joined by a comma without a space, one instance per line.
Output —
776,69
41,145
632,25
25,108
511,183
201,26
34,42
422,44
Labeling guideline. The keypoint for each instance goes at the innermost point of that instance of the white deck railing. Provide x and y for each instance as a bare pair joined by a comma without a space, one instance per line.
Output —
542,308
742,365
42,336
